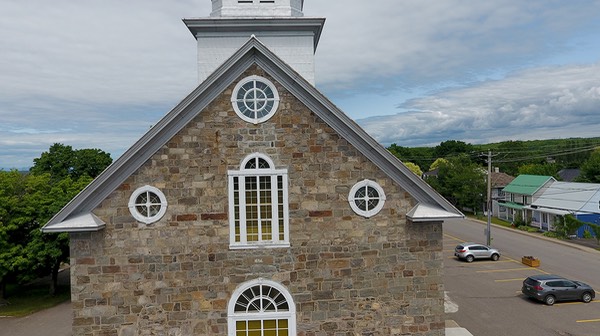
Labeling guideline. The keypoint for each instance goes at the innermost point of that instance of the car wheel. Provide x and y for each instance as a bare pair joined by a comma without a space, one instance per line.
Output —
549,300
495,257
470,258
586,297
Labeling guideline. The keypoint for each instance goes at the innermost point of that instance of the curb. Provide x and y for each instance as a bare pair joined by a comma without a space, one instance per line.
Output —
453,329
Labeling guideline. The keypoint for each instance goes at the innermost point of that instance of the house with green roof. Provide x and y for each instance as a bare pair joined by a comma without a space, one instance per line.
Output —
520,193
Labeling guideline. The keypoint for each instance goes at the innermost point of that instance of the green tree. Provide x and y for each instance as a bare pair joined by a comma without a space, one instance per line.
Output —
421,156
414,168
596,229
28,201
61,161
545,169
567,225
47,251
462,182
437,163
452,147
590,170
15,226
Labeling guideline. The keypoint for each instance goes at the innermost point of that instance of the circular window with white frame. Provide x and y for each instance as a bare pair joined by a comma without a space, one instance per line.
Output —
366,198
147,204
255,99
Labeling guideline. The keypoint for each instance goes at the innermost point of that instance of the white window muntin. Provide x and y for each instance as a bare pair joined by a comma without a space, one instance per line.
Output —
362,201
147,204
233,316
255,99
279,202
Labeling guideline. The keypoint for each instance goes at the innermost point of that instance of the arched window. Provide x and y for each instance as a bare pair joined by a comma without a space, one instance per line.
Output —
258,204
261,308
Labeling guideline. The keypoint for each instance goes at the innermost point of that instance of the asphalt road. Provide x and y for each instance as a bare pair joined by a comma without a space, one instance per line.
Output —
55,321
487,294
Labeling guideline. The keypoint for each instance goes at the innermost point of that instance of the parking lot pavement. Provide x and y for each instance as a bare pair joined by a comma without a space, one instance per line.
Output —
484,290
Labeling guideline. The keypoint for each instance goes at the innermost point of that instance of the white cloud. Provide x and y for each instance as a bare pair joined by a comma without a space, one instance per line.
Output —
98,73
539,103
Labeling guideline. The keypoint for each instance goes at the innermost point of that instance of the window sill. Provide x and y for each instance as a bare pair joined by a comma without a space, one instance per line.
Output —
258,246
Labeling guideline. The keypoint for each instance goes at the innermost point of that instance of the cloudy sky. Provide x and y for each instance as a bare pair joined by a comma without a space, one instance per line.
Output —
100,73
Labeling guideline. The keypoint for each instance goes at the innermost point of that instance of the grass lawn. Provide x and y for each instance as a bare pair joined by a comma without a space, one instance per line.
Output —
26,299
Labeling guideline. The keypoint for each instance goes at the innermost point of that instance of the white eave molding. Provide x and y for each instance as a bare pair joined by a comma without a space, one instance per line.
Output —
430,213
83,223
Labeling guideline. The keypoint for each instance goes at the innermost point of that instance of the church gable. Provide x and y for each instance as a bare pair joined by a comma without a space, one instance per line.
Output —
185,272
191,169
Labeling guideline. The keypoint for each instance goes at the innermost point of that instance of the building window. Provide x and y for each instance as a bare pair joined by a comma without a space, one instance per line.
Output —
366,198
261,308
255,99
147,204
258,204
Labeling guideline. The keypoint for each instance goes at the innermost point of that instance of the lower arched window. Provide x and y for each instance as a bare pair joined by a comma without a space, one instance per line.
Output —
261,308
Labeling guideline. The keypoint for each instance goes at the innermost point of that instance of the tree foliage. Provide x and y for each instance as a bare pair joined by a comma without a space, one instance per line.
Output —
28,201
414,168
545,169
61,161
590,169
452,148
567,225
596,229
462,182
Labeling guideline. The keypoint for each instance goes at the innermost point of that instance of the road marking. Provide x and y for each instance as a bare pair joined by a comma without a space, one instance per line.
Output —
505,270
449,305
587,321
452,237
508,280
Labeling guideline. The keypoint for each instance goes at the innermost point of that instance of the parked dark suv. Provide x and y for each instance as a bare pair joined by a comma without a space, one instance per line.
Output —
552,288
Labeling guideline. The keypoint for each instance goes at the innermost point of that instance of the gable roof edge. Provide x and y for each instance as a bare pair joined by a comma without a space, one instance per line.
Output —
114,175
355,135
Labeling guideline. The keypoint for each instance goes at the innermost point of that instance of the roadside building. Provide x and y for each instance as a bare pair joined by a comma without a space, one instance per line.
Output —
581,200
520,193
499,181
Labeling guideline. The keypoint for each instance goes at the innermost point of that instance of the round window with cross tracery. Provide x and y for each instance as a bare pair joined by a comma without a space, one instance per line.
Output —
366,198
255,99
147,204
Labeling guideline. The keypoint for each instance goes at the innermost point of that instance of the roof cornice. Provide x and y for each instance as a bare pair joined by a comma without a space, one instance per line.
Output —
212,25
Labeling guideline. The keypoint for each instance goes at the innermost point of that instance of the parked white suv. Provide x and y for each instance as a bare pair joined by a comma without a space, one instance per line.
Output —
472,251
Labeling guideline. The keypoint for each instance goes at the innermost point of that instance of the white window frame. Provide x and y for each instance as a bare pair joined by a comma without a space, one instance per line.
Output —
233,316
144,218
363,185
255,119
241,176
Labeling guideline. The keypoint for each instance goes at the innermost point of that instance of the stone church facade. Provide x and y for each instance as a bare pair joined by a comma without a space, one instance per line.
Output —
256,207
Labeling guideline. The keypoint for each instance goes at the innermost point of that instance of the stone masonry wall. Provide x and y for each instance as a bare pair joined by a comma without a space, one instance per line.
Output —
348,275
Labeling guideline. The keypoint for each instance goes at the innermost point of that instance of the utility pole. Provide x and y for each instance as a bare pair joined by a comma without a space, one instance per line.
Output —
489,199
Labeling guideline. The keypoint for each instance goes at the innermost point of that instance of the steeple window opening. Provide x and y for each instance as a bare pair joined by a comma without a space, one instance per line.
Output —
260,1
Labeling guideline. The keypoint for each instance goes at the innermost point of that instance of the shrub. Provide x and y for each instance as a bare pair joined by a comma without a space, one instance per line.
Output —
552,234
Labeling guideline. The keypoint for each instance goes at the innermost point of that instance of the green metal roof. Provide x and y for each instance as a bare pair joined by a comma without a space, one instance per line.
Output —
526,184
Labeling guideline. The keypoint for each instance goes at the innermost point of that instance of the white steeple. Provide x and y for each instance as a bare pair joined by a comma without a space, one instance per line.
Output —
278,24
257,8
